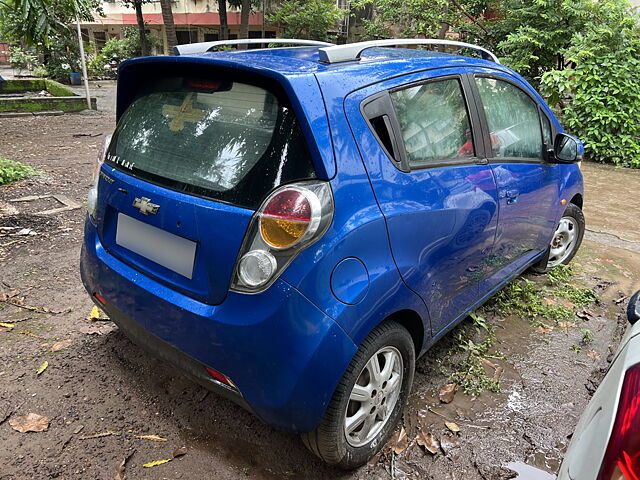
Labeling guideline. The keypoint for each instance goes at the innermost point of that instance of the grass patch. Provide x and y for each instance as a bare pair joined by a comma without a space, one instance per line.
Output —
466,360
538,301
12,171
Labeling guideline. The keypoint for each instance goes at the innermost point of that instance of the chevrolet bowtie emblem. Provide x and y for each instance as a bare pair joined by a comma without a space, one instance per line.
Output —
145,206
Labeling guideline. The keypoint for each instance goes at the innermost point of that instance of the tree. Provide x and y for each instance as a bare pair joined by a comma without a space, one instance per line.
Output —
310,19
244,18
224,23
428,18
37,21
597,85
169,26
137,4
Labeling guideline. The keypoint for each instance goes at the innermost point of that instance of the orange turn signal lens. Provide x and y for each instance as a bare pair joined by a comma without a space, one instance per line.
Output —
282,233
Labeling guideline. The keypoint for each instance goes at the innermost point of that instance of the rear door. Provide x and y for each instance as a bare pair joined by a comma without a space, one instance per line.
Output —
422,147
517,135
189,162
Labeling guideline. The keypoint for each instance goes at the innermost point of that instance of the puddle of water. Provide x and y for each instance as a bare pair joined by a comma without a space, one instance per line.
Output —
527,472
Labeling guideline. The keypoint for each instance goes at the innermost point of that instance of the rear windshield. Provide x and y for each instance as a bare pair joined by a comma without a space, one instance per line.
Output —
228,141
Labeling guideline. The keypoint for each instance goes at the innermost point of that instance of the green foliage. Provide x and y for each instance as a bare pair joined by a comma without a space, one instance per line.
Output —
127,47
524,298
40,71
470,374
410,18
21,60
587,336
37,21
310,19
12,171
599,95
63,57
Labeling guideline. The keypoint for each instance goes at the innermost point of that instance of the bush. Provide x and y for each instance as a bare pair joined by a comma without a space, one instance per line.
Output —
11,171
21,60
40,71
599,95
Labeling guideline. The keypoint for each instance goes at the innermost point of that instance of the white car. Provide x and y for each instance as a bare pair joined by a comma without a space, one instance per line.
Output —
606,443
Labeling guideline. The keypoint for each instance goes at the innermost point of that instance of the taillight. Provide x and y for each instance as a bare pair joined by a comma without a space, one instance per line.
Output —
92,197
622,457
289,215
289,220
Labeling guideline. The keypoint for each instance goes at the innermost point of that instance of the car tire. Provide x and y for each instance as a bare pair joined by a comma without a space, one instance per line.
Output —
566,240
391,347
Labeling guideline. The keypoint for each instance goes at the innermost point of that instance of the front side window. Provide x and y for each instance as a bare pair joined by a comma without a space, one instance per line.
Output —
434,122
512,117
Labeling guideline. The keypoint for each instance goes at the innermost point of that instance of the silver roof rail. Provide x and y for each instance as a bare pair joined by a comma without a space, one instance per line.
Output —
352,51
202,47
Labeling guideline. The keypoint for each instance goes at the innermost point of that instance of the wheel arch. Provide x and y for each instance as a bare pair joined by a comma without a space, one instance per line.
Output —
411,320
577,200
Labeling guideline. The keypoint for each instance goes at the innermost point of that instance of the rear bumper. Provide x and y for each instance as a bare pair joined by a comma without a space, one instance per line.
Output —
284,354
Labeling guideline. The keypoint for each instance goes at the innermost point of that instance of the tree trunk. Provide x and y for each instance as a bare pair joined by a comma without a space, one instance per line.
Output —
170,28
144,48
244,19
224,24
444,26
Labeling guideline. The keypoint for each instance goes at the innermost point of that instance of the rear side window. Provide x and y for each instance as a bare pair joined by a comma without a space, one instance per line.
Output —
434,122
228,141
512,117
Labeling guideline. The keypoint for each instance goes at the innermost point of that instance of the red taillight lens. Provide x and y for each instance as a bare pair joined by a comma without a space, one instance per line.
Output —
287,217
622,458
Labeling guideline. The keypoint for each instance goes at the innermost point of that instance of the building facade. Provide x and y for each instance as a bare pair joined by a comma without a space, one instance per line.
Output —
195,21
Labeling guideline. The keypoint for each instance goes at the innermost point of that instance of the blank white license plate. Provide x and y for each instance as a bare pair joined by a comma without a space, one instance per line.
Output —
164,248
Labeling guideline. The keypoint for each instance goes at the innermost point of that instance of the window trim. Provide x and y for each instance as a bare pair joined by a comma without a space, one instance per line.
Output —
385,108
472,115
485,124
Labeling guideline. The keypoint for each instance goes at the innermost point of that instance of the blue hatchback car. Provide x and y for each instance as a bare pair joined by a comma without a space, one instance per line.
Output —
292,227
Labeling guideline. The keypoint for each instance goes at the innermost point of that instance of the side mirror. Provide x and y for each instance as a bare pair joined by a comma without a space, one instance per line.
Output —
567,149
633,309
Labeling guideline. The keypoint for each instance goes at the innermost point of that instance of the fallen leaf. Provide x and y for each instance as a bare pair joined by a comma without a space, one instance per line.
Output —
601,325
399,441
429,442
156,463
489,363
604,260
549,301
5,327
564,326
94,314
32,422
155,438
180,452
121,467
585,314
448,443
42,368
95,329
61,344
28,333
448,392
544,330
593,355
498,373
452,426
108,433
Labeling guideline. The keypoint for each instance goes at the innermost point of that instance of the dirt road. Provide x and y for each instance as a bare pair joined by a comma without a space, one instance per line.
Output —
97,382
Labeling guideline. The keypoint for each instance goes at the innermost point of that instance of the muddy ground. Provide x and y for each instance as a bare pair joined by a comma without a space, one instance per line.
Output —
97,382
